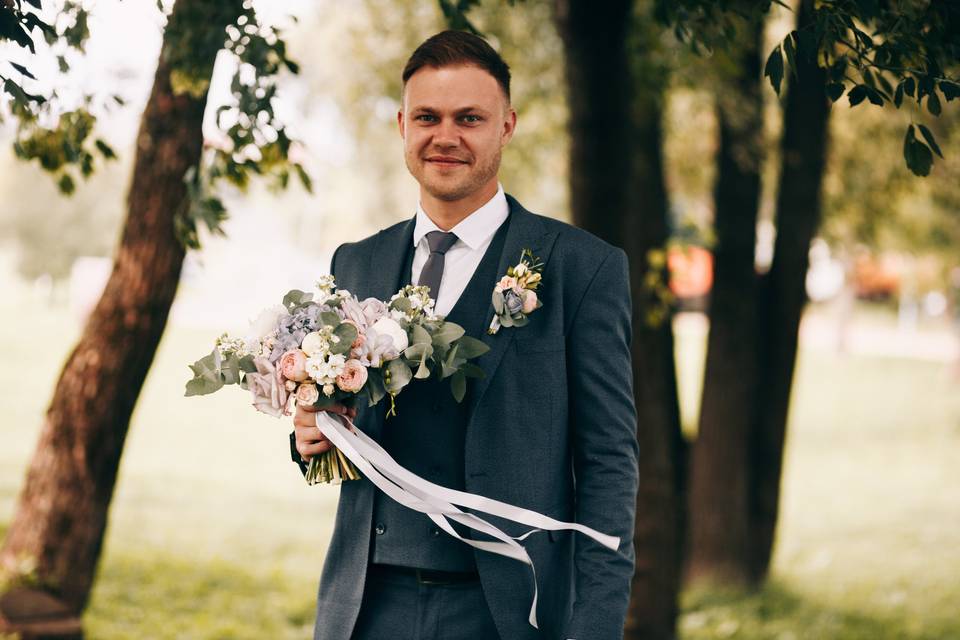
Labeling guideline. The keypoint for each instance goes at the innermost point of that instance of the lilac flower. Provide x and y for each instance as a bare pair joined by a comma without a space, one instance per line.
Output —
513,302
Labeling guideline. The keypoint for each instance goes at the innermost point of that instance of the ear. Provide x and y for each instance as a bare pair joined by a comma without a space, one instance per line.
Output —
509,126
400,123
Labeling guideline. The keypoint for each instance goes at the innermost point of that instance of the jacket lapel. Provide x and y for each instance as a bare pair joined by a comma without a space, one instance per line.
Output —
525,232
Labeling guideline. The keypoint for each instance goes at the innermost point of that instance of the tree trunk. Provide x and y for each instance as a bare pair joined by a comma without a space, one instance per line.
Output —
618,193
783,290
718,539
61,516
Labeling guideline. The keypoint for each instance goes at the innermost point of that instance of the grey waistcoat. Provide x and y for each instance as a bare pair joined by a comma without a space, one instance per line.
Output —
427,437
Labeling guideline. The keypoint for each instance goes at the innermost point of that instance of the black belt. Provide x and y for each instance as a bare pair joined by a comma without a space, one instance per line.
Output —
425,576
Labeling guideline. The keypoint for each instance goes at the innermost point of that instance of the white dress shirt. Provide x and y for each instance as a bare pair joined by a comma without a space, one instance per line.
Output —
474,234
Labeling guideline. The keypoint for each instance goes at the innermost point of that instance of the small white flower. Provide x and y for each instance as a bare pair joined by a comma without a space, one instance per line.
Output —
520,269
328,389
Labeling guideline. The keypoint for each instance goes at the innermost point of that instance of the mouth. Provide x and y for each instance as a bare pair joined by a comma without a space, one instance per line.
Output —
445,161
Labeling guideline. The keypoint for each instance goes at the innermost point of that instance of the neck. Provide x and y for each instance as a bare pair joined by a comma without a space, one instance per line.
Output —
447,214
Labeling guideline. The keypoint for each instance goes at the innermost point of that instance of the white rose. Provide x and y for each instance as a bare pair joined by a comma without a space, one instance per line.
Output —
390,327
267,321
328,389
312,342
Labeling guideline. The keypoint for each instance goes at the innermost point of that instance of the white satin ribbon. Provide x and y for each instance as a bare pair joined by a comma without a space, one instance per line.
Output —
439,503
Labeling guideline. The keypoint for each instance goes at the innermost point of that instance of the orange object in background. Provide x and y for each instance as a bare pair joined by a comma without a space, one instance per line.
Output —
691,271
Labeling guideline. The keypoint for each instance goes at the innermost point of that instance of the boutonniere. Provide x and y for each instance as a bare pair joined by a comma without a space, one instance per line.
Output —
515,295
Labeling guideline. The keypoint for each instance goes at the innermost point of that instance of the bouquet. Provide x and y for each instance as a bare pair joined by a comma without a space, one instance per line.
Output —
332,348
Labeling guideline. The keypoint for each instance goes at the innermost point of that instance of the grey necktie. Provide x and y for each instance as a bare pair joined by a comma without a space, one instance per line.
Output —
432,271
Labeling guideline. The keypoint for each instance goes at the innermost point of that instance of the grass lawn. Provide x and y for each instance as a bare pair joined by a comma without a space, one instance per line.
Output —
213,533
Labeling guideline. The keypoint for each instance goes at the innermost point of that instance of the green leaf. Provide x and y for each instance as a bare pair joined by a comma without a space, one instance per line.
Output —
931,141
246,364
418,352
950,90
398,376
933,104
789,48
329,318
472,370
347,334
471,347
898,96
774,69
105,149
66,184
874,96
458,386
62,64
446,334
857,94
304,178
917,155
909,86
419,335
834,91
296,298
498,302
201,387
452,363
22,69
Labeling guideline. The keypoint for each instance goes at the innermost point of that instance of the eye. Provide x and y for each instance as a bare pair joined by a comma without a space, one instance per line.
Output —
472,118
425,117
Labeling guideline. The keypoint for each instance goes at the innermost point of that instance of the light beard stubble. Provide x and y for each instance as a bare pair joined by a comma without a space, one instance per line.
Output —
475,180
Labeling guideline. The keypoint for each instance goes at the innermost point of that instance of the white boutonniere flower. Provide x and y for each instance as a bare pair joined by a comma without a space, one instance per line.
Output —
515,295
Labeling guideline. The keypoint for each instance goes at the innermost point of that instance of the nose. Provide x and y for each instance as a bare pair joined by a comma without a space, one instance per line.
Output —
446,134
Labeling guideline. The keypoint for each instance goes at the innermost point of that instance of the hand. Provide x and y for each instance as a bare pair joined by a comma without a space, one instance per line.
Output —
310,441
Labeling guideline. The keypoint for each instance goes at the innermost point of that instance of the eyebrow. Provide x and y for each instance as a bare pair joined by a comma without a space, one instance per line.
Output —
462,110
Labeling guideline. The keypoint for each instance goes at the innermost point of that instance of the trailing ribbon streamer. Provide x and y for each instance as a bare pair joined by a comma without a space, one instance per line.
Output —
440,503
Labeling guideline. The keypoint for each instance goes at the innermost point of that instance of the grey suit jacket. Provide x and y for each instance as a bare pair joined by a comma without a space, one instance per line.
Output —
552,428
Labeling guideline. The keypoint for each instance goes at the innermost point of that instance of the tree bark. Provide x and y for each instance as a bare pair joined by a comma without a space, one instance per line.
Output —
718,539
618,193
783,289
62,511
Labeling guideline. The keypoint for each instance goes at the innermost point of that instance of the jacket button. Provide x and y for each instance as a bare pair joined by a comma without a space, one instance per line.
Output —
435,532
381,529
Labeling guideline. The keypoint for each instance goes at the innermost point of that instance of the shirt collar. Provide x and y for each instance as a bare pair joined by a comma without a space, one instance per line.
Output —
473,230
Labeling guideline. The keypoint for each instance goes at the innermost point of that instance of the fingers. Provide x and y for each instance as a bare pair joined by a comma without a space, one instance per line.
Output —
307,451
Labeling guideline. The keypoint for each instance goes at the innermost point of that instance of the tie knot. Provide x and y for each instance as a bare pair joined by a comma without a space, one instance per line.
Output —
440,242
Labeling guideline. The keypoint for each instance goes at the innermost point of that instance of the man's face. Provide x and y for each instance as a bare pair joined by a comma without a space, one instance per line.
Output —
455,121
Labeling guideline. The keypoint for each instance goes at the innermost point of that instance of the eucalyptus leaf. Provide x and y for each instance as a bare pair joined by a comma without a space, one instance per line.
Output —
419,335
398,376
447,334
347,333
470,348
458,386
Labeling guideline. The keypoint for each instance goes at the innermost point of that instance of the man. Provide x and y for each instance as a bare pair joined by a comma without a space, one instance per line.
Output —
550,427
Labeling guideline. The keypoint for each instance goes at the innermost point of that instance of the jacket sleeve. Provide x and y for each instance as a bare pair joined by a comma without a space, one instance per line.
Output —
604,438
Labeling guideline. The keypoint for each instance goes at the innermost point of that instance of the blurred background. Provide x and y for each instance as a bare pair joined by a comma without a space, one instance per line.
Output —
796,290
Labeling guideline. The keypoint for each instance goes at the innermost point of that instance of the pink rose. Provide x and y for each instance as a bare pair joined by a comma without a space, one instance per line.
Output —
307,393
293,365
356,349
507,282
373,310
267,388
352,311
353,376
529,300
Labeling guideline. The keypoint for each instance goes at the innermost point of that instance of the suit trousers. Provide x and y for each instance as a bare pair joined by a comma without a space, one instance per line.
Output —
400,607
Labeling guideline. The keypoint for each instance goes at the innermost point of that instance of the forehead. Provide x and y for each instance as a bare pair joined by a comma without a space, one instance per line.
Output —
450,88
